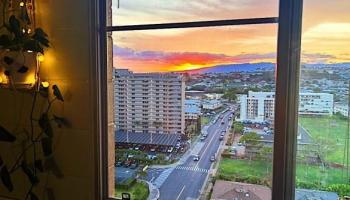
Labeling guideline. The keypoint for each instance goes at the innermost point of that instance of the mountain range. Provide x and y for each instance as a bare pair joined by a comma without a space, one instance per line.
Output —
251,67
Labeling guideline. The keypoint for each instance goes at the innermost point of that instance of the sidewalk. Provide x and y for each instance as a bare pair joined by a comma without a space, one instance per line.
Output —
153,191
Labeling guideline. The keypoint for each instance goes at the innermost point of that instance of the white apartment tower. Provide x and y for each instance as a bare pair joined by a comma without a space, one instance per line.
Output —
257,106
260,106
149,102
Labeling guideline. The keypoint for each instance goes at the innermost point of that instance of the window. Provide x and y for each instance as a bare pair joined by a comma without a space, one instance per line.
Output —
211,46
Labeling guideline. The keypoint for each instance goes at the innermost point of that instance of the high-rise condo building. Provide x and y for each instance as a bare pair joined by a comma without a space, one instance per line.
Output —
149,102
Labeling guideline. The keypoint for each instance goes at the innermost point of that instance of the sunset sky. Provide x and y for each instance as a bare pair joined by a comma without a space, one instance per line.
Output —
326,33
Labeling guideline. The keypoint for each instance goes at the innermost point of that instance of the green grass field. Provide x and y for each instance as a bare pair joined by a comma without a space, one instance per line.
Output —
204,120
328,131
259,172
139,191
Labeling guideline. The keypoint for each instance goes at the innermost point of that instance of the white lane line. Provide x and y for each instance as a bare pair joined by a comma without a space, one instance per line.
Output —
183,188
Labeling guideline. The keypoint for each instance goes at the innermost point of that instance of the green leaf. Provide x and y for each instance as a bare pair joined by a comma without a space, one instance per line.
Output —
46,144
45,124
22,69
51,165
8,60
6,179
15,25
57,92
33,45
41,37
7,73
33,196
61,121
6,136
30,174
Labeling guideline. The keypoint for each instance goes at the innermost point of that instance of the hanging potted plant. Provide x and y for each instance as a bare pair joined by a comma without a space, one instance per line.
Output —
21,45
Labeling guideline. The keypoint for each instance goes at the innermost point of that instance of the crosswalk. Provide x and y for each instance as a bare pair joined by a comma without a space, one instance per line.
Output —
162,177
196,169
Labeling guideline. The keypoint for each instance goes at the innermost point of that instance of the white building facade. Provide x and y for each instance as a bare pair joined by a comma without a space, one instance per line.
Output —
149,102
260,106
211,104
342,109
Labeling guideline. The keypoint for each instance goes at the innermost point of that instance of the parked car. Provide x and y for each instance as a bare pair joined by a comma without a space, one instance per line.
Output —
222,122
127,163
134,166
212,158
119,164
202,138
196,158
221,137
170,149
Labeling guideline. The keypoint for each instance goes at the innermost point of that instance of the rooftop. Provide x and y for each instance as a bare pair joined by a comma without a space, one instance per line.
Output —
146,138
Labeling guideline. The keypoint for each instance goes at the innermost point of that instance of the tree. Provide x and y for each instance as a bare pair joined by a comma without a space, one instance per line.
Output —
251,138
230,94
252,144
238,127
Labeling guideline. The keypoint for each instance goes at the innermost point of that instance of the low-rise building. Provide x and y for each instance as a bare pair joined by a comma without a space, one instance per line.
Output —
260,106
341,109
192,109
212,104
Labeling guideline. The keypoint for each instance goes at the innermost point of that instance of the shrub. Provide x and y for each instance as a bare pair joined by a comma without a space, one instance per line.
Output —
341,189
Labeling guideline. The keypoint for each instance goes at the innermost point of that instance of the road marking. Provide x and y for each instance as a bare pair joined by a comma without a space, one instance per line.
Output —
192,169
183,188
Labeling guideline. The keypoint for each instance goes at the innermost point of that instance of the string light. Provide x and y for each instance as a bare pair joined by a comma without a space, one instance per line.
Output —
45,84
0,80
21,4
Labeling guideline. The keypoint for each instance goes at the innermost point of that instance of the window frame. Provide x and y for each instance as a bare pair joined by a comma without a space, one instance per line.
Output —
287,87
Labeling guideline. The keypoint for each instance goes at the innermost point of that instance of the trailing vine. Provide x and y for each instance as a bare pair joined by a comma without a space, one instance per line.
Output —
35,159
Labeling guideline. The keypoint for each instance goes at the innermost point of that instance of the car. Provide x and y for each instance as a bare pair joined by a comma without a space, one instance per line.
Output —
137,148
196,158
222,122
127,163
223,132
212,158
170,149
153,149
119,164
133,166
221,137
202,138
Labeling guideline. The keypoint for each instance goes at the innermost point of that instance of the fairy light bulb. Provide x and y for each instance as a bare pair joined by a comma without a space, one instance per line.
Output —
45,84
41,58
21,4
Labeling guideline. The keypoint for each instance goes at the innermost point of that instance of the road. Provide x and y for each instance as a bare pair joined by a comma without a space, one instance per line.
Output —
186,180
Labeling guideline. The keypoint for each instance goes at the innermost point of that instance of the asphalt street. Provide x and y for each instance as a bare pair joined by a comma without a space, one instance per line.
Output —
186,180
